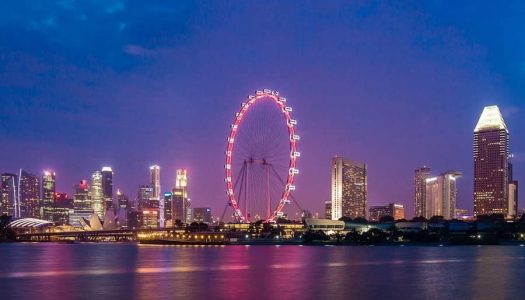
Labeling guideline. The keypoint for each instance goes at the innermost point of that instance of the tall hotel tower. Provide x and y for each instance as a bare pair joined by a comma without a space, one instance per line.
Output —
349,188
491,164
107,188
420,182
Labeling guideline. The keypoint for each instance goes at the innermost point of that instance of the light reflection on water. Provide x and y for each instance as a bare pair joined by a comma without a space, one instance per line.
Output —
88,271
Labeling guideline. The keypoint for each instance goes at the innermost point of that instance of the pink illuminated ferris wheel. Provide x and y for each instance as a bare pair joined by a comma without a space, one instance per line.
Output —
261,157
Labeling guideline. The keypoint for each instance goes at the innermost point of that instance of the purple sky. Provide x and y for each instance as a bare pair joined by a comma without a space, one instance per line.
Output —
127,84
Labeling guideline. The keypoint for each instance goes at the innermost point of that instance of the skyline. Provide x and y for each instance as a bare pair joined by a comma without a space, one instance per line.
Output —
137,101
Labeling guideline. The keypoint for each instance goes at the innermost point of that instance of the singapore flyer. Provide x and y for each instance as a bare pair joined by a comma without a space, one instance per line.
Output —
261,158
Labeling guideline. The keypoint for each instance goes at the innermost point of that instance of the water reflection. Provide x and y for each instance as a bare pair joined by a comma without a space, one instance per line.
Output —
88,271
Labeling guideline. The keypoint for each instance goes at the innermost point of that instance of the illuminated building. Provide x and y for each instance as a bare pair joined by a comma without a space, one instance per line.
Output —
29,195
202,214
155,201
491,164
81,197
396,211
144,196
168,216
155,181
328,209
8,202
48,195
513,193
513,200
150,218
107,188
349,188
134,219
441,194
123,201
97,194
82,207
63,204
180,202
420,182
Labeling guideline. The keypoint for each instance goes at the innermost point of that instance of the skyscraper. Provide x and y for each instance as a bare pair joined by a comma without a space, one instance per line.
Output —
81,196
144,196
48,195
107,188
180,203
349,188
8,194
420,177
155,197
155,181
28,195
82,205
97,194
441,195
491,164
168,215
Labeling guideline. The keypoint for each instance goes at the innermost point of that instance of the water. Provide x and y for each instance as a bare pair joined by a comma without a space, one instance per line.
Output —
109,271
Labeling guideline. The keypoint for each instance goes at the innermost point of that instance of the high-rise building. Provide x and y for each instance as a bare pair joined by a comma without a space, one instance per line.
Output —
155,198
349,188
123,201
8,193
82,206
48,195
513,200
144,196
29,195
202,214
81,196
420,181
63,204
181,203
396,211
97,194
491,164
168,215
107,188
328,210
123,208
441,195
155,181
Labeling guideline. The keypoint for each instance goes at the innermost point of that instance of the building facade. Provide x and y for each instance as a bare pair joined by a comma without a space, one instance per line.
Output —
349,188
420,177
396,211
441,195
48,196
491,164
107,188
29,195
97,195
8,194
202,214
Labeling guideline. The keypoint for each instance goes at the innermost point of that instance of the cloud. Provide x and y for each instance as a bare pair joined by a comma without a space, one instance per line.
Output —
510,110
137,50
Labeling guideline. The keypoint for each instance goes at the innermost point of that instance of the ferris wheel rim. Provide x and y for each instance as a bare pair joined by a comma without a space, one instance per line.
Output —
294,154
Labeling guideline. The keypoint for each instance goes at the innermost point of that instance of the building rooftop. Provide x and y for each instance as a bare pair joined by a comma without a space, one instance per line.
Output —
490,119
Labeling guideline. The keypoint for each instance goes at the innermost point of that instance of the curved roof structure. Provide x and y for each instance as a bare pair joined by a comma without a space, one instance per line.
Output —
28,223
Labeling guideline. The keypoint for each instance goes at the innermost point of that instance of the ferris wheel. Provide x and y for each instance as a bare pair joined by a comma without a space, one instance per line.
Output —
261,158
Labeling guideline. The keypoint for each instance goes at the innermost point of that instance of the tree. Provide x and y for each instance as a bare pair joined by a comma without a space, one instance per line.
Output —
386,219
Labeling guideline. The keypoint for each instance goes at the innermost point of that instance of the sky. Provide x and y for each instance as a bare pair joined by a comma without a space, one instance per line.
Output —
129,84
